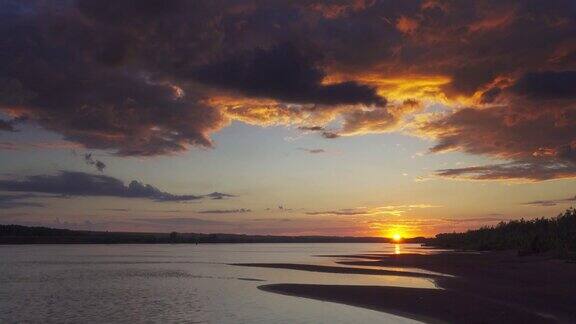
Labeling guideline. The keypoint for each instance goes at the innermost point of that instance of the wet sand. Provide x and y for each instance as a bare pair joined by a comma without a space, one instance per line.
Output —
492,287
330,269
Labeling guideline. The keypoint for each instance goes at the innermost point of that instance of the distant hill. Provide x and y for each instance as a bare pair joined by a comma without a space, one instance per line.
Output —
17,234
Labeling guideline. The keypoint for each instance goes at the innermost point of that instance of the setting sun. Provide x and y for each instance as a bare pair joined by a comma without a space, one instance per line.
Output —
396,237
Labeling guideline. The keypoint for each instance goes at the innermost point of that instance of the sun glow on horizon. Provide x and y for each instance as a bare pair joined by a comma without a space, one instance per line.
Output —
396,237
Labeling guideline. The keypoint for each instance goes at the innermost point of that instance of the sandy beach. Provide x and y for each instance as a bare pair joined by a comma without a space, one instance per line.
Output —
490,287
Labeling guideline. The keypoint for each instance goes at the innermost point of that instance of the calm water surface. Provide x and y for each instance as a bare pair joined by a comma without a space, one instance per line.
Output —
179,283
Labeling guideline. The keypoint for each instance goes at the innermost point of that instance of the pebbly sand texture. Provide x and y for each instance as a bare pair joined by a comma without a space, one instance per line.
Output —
491,287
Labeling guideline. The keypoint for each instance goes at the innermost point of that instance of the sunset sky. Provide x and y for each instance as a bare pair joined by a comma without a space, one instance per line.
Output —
286,117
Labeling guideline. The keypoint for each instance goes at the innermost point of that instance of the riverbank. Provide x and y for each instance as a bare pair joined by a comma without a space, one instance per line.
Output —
482,287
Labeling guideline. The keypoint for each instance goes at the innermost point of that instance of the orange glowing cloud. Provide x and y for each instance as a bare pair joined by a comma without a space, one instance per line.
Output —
399,88
407,25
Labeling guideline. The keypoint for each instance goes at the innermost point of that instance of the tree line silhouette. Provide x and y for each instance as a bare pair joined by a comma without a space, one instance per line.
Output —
18,234
555,235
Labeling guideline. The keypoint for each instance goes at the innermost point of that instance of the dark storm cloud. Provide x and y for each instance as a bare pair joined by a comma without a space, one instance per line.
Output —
86,81
70,183
143,77
532,122
534,128
123,75
284,72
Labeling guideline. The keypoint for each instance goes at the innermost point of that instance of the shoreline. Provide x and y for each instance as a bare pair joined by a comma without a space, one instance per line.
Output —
481,287
305,291
421,304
